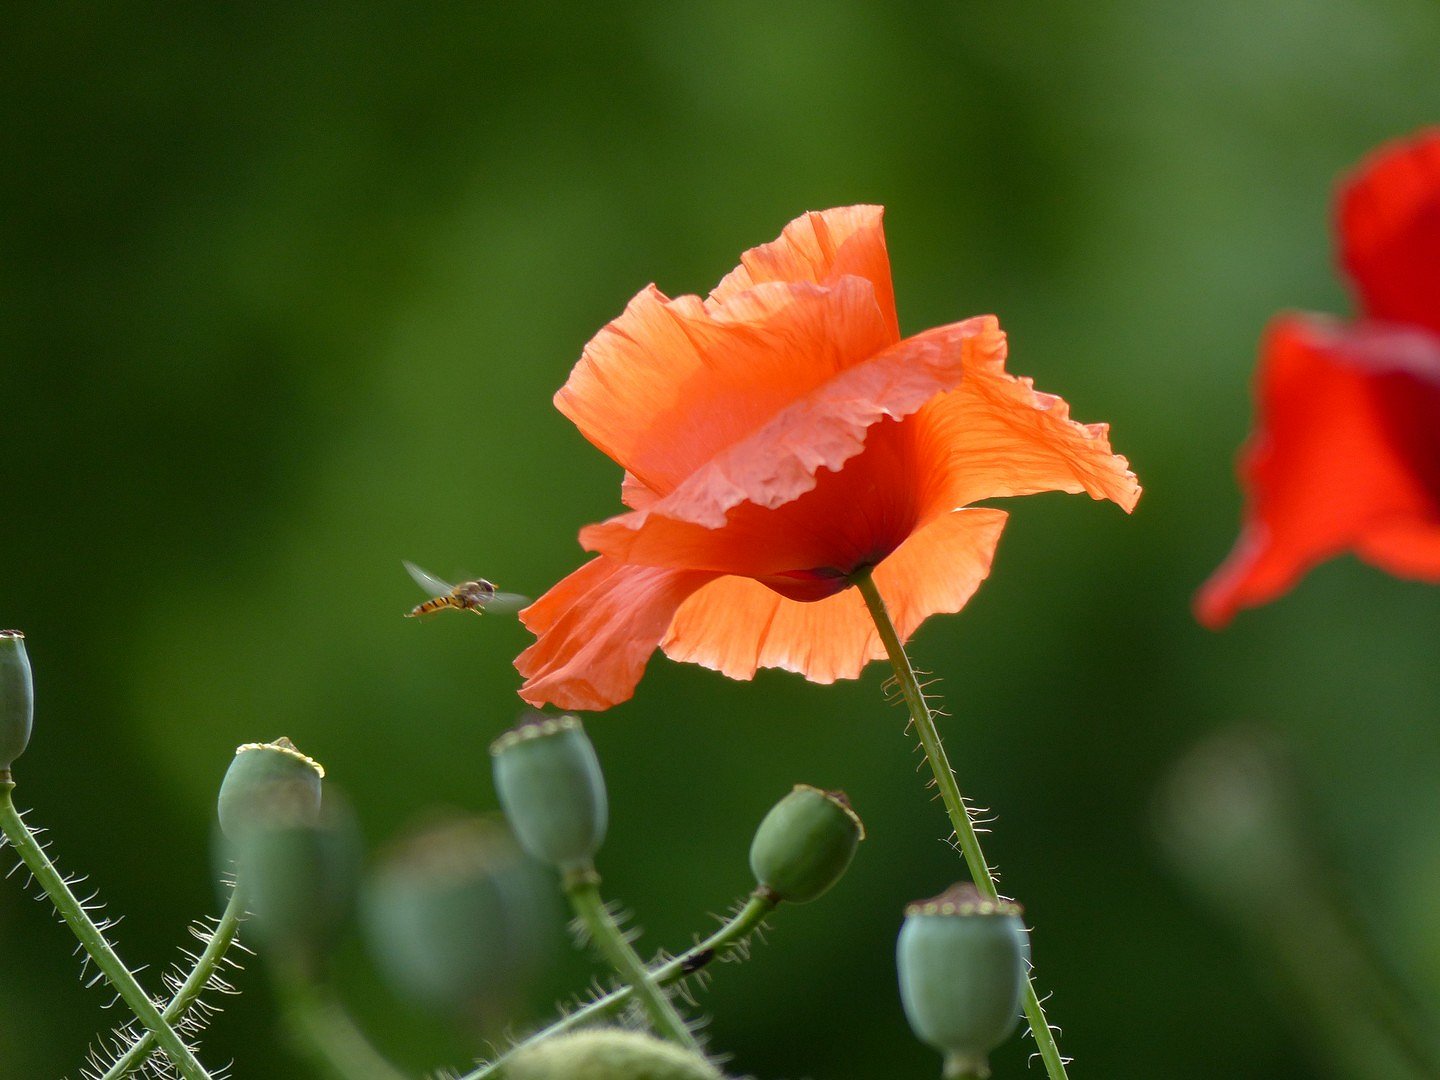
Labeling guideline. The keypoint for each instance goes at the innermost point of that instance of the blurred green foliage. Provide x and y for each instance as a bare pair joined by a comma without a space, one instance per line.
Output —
285,291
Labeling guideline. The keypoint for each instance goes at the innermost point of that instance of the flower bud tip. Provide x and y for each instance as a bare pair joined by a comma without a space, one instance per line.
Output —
17,699
805,844
537,726
963,898
842,800
267,782
552,790
284,745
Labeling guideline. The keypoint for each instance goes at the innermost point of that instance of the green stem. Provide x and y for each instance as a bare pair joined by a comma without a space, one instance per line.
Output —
91,937
731,936
326,1032
193,986
1320,966
924,721
583,891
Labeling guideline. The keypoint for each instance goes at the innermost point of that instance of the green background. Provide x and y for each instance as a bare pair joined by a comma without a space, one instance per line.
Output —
285,291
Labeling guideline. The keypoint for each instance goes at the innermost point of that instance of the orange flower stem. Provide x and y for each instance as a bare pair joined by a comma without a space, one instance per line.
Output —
924,721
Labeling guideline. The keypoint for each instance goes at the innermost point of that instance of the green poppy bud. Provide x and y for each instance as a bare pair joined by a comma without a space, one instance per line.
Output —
266,780
962,960
17,699
805,844
299,870
456,916
608,1054
551,788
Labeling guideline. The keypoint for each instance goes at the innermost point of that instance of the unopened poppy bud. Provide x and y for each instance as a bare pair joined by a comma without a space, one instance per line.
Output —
266,780
805,844
299,870
962,959
455,916
17,699
608,1054
551,788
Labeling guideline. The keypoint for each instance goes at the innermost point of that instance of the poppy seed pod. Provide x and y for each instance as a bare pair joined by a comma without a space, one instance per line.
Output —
805,844
551,788
962,959
299,869
608,1054
17,698
265,780
455,916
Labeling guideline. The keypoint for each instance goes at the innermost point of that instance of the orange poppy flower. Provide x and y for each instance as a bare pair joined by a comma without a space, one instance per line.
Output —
778,437
1346,451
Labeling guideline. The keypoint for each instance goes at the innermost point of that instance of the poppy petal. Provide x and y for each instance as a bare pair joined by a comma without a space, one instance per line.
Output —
634,494
1407,549
693,525
671,383
596,630
807,547
820,247
1345,456
735,625
997,436
1389,224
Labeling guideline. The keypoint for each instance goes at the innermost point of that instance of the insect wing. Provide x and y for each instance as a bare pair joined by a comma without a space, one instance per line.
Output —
432,585
507,602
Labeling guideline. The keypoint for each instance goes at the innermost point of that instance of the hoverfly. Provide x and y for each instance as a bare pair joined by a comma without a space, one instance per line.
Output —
477,595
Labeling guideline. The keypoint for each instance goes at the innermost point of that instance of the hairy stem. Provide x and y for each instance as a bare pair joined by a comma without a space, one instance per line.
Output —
93,939
583,891
194,985
924,722
327,1034
730,937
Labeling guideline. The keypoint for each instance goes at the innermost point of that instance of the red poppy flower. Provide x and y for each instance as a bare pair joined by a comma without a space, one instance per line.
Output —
1346,451
778,437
